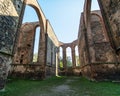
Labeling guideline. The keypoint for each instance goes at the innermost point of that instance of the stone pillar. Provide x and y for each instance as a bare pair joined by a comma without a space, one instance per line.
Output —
64,59
10,22
5,61
42,52
42,48
110,10
57,60
73,57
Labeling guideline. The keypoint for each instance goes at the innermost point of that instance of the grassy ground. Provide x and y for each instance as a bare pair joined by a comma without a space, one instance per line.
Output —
61,86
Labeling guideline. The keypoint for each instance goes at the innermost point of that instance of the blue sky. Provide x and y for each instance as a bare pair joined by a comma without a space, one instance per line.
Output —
64,16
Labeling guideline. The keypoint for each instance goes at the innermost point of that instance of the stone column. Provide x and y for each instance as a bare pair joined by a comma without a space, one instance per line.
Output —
57,60
73,57
64,59
42,48
10,22
42,52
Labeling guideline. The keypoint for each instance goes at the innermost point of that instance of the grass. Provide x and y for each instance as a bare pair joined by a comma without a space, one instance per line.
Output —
84,87
23,87
78,86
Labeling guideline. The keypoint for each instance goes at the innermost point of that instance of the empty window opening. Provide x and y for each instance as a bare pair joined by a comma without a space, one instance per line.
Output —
36,44
32,43
61,58
69,57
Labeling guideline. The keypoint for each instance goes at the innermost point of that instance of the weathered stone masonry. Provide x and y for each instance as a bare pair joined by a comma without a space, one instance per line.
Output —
100,62
12,12
10,18
23,65
24,53
111,14
51,52
74,70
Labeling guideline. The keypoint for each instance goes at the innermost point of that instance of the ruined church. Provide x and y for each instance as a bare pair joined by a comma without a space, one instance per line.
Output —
98,43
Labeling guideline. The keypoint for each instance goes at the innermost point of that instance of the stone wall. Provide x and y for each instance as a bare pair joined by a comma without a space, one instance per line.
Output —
51,52
110,10
71,69
10,20
82,46
96,54
23,65
51,58
83,49
5,62
25,44
100,49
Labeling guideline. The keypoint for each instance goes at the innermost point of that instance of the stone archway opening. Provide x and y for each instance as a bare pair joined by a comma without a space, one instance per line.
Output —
36,45
69,57
61,58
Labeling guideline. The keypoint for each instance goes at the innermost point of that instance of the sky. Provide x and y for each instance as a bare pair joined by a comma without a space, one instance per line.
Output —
64,16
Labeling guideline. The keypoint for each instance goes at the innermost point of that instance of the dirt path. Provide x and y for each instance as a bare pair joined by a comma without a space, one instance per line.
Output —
64,88
59,90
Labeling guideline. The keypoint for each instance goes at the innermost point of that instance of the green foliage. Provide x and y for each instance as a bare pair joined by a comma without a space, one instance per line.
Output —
61,64
77,61
84,87
69,62
35,56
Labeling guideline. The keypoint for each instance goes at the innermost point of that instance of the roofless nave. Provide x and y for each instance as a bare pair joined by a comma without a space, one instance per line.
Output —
98,43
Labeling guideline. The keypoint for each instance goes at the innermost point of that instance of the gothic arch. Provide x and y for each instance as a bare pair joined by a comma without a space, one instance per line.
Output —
34,4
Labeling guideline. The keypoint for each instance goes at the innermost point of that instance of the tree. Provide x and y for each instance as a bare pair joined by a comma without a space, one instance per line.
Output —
77,61
69,61
61,62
